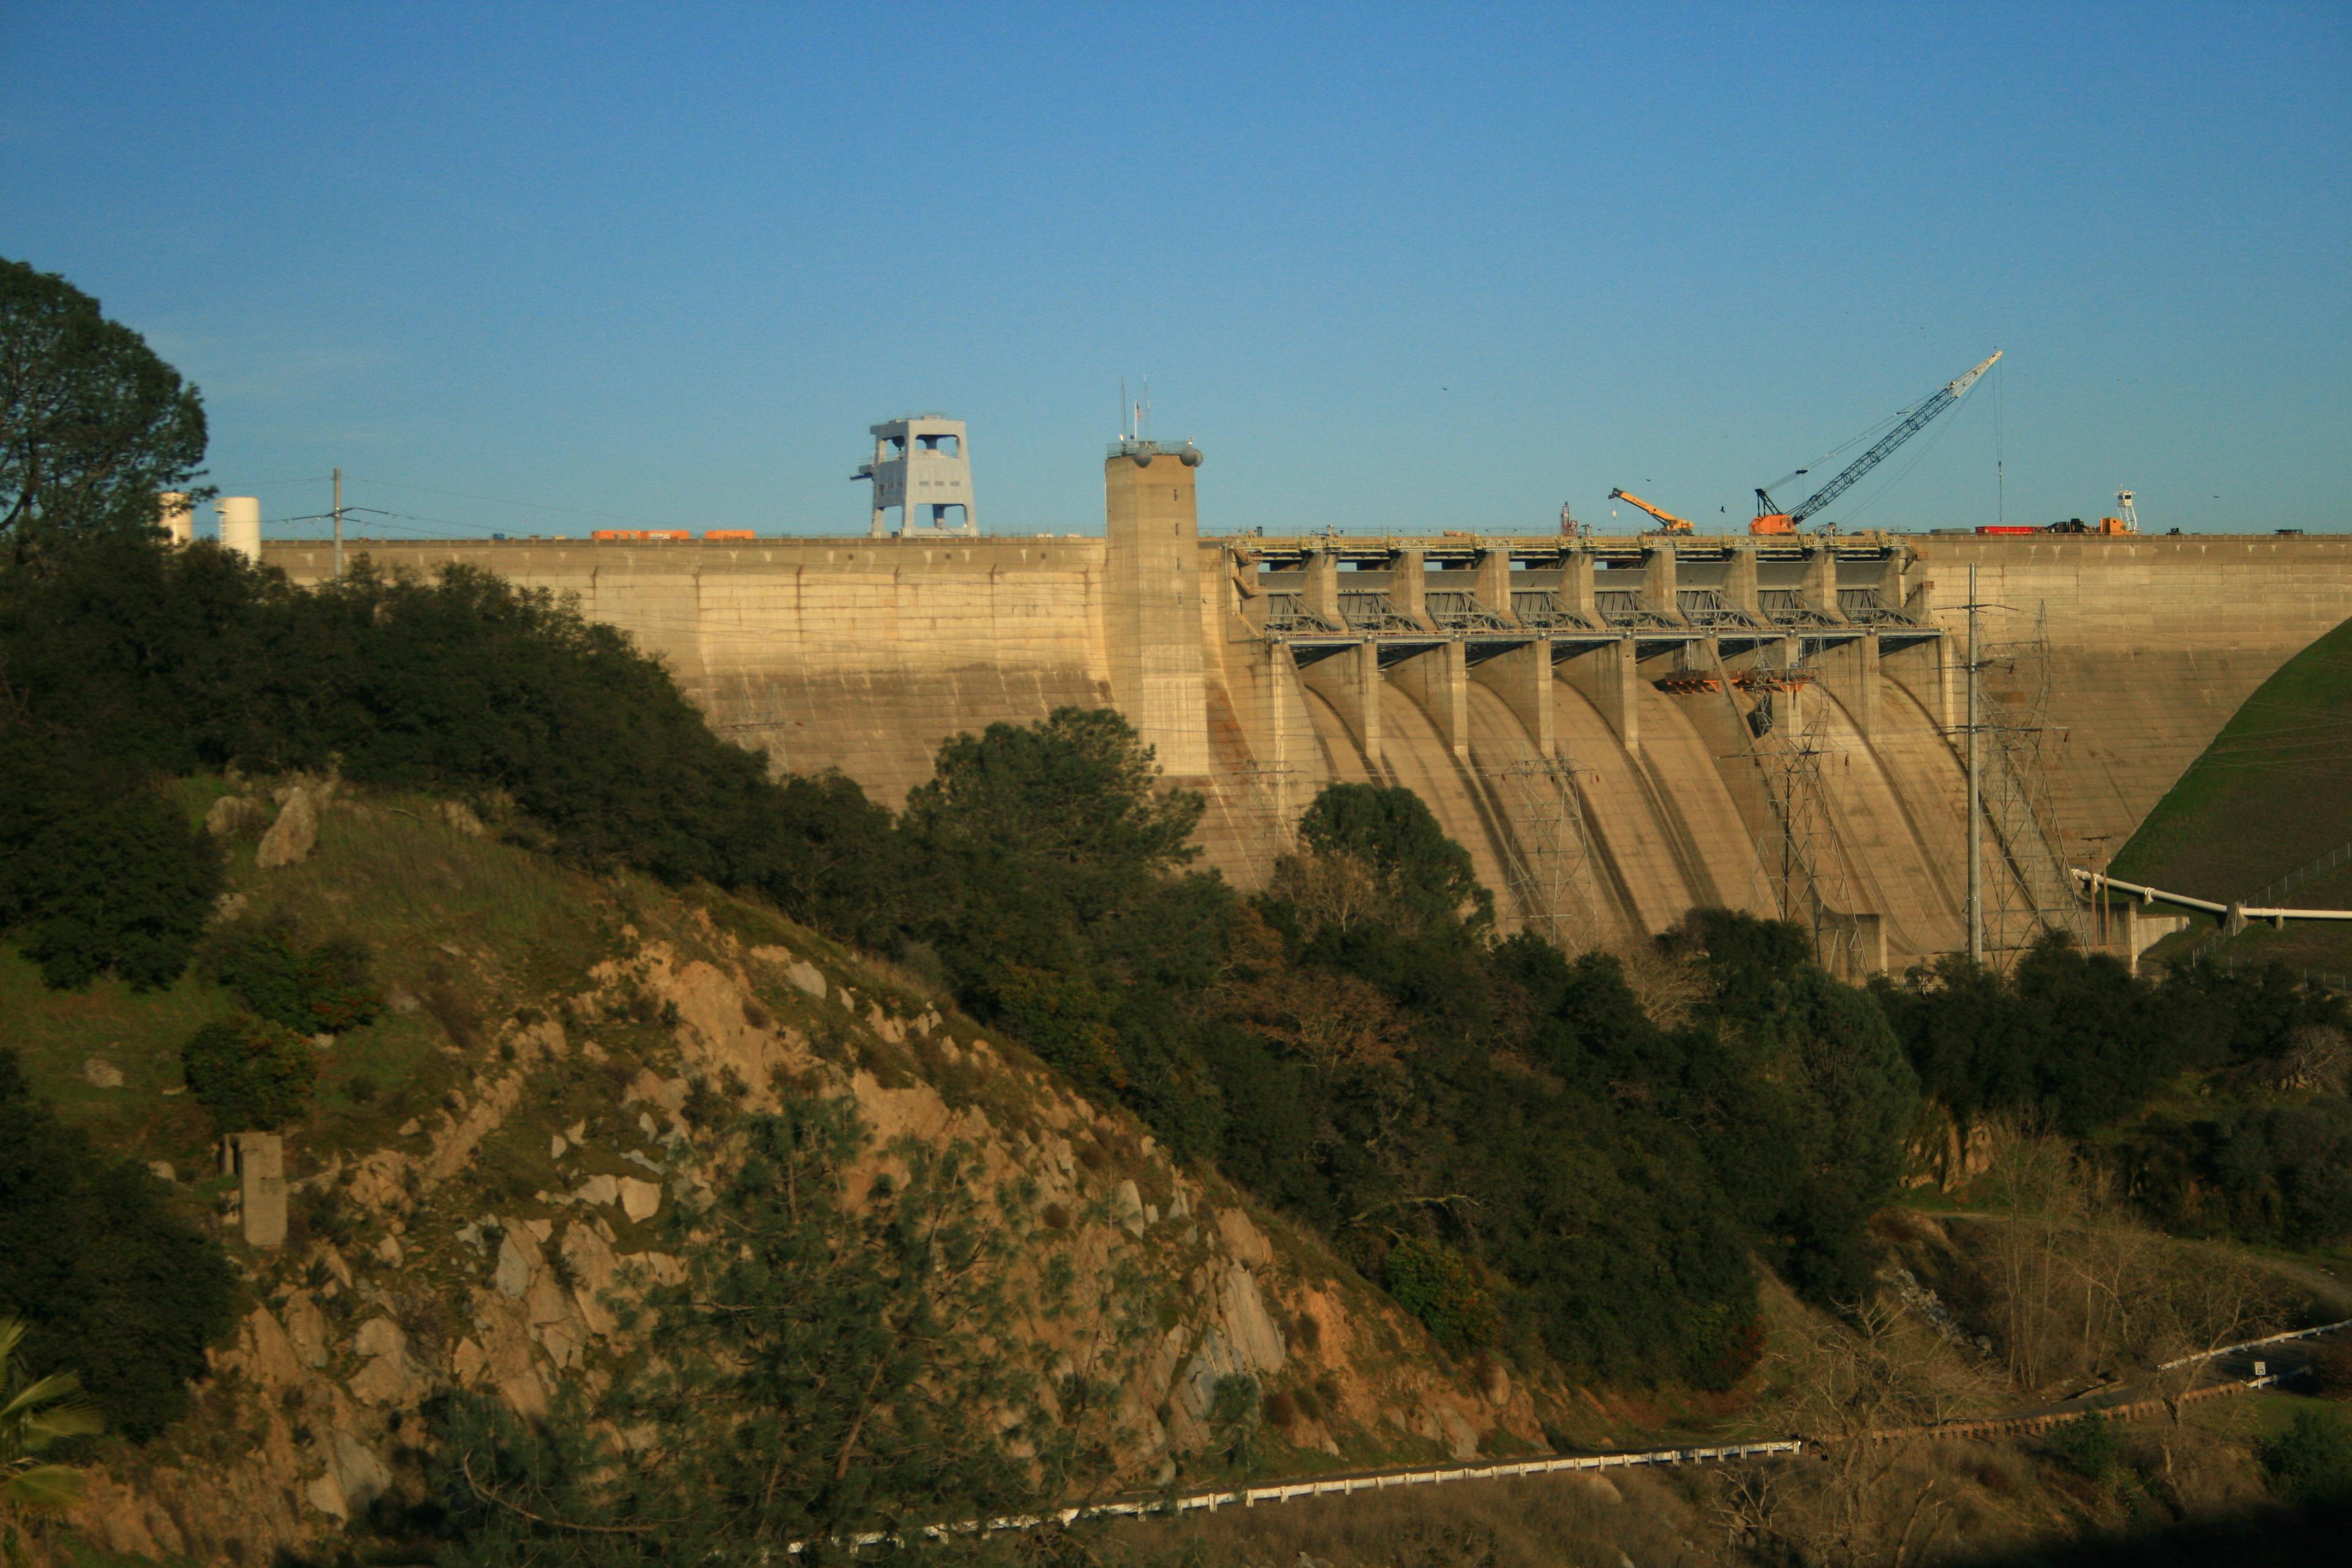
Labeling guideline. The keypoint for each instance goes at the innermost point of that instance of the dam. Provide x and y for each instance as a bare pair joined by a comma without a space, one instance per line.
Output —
1617,728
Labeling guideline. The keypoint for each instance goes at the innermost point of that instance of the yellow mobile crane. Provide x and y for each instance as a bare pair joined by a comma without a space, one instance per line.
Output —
1667,520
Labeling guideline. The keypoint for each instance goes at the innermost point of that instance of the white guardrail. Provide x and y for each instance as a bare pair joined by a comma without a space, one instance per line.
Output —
2289,1336
1329,1485
1500,1470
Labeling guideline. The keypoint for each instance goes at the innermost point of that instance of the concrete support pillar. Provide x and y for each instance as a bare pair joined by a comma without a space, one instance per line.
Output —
1850,671
1286,739
1739,590
1917,596
258,1160
1659,585
1494,581
1575,591
1924,669
1439,681
1606,674
1153,617
1323,585
1522,679
1407,589
1350,682
1820,580
1890,579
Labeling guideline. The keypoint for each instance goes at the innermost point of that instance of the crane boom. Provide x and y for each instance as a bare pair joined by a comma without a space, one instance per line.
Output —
1771,519
1671,523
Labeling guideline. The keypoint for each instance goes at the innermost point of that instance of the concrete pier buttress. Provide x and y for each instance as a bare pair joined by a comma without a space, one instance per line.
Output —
1439,682
864,655
1852,670
1523,677
1350,682
1608,675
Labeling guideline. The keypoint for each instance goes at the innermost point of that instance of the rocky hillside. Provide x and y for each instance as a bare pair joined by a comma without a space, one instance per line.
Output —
506,1159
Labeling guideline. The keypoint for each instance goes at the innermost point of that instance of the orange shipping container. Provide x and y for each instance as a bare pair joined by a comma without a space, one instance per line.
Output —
728,533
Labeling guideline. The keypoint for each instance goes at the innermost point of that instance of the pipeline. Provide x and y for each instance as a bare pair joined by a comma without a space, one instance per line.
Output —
2097,879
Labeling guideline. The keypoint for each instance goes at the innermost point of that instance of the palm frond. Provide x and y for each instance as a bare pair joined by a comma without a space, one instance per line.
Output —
44,1488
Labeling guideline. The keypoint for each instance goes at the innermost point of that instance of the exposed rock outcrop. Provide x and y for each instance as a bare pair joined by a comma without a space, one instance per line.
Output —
450,1282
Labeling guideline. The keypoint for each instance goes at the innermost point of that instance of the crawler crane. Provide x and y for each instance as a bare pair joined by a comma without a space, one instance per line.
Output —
1771,519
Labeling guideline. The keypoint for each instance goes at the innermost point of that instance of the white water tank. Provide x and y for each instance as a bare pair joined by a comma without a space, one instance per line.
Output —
240,525
179,524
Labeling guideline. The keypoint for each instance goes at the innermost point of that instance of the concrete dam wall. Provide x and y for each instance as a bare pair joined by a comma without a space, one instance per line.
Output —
1617,728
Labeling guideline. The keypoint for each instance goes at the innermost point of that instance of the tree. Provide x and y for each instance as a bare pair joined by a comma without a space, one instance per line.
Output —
1428,877
35,1413
98,870
107,1278
327,988
837,1360
253,1074
93,424
1047,868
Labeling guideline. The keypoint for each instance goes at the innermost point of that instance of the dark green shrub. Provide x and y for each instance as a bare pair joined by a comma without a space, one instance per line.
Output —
2311,1461
313,990
253,1074
1447,1291
97,870
114,1285
2089,1444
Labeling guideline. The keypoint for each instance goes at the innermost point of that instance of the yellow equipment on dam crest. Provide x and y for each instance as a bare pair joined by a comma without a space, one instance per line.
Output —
1617,728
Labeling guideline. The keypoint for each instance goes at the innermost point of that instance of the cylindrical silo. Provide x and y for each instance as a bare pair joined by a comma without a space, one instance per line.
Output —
240,525
179,525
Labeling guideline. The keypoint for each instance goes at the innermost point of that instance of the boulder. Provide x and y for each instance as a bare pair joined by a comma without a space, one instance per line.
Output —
1248,1326
360,1476
639,1200
235,817
292,837
101,1074
599,1190
516,1255
1244,1240
380,1336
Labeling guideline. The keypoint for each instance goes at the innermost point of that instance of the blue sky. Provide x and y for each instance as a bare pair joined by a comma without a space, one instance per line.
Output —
1395,267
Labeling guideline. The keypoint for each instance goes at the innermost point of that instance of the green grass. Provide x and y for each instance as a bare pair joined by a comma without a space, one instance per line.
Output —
55,1033
2272,792
463,931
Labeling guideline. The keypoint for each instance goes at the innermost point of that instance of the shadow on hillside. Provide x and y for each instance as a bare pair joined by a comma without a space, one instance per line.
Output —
2259,1537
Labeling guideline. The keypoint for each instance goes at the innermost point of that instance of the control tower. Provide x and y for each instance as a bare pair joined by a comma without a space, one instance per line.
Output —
921,467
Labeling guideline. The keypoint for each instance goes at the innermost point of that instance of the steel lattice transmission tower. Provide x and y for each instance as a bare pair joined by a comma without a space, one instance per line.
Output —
1547,851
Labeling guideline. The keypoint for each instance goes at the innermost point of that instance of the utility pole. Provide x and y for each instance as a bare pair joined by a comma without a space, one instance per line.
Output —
1976,791
338,527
